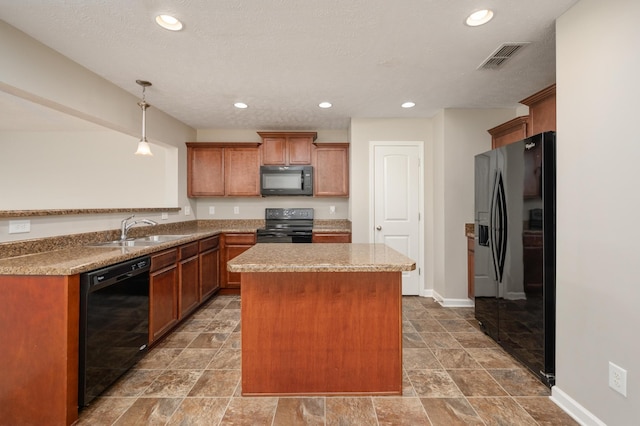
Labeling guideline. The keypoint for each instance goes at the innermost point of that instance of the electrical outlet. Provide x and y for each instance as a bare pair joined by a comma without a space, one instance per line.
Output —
165,216
332,209
618,379
236,210
187,210
19,226
212,210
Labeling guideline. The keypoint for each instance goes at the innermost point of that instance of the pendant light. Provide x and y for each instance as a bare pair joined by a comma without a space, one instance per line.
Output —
143,145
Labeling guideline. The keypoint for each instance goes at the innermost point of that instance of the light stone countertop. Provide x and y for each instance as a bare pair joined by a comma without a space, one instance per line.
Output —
70,255
337,257
79,259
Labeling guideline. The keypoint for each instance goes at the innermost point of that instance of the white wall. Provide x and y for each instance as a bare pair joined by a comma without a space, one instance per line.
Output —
38,74
460,135
253,208
80,169
598,65
362,132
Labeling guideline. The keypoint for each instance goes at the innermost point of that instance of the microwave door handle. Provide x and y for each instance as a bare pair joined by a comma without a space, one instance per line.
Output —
302,179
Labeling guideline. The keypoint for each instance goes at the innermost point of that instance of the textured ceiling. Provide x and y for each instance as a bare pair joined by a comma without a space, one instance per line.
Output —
283,57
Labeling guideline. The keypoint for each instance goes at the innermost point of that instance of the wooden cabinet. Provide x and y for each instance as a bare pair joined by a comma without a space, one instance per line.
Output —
189,278
209,266
509,132
287,148
205,171
331,170
541,118
331,237
242,172
542,111
233,244
223,169
180,280
470,268
163,293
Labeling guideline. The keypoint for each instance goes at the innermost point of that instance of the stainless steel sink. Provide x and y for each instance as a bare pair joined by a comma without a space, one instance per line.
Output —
139,242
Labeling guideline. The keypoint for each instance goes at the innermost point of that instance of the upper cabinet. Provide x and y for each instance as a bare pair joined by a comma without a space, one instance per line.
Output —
287,148
331,170
541,118
542,111
223,169
509,132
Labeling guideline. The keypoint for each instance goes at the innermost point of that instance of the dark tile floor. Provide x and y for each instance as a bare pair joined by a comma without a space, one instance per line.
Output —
453,375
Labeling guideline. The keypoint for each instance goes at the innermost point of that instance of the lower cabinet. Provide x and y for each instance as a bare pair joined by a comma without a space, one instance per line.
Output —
209,258
234,244
189,277
331,237
180,280
163,293
471,294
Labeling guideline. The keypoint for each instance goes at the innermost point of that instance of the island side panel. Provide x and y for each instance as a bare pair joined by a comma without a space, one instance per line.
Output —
39,317
321,333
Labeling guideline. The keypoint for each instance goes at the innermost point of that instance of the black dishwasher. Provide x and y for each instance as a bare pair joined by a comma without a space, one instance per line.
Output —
114,324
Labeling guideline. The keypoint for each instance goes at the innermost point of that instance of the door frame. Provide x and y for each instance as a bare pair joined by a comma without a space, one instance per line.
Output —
420,145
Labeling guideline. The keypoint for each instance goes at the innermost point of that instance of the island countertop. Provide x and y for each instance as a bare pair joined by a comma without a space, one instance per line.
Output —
336,257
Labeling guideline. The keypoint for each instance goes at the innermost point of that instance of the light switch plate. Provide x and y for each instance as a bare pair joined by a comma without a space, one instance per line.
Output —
212,210
187,210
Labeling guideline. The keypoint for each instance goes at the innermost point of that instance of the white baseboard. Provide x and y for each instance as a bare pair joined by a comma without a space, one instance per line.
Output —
452,303
428,292
575,410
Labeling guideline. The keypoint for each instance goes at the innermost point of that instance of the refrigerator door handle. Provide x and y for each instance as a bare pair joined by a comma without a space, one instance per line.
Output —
498,222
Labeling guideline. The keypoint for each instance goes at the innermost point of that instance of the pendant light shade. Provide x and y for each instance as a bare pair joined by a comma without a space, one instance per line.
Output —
143,145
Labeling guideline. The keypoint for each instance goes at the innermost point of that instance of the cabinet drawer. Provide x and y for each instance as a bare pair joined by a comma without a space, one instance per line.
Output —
164,259
244,238
209,243
328,237
188,250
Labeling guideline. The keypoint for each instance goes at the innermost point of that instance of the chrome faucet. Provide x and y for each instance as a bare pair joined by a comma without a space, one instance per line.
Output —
124,226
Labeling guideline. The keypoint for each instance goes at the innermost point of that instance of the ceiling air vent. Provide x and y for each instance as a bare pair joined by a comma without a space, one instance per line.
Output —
501,55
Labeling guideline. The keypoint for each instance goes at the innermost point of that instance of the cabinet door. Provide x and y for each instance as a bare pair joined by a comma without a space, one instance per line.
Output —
509,132
331,170
471,294
189,285
234,244
299,150
274,151
209,272
163,301
205,171
242,172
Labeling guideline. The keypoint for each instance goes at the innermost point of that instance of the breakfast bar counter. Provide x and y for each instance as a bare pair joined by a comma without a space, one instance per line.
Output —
321,319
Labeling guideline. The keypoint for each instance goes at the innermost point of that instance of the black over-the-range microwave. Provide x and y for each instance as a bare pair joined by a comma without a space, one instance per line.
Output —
286,180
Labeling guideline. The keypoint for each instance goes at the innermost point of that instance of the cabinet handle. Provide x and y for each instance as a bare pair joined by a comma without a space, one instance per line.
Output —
379,228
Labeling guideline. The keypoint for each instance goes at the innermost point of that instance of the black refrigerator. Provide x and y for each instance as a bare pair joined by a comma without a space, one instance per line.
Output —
514,258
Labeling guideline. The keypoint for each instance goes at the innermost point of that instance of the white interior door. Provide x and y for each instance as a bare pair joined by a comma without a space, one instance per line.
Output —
397,205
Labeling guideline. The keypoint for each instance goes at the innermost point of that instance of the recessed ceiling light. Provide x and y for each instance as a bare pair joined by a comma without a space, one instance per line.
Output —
480,17
169,22
324,104
241,105
408,105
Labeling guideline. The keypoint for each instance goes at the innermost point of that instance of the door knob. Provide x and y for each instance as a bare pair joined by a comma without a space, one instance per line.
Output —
379,227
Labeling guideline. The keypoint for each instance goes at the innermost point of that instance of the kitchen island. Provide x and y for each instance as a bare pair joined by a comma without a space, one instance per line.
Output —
323,319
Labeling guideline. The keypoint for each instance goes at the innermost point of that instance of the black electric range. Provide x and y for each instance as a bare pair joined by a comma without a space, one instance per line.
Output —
286,226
